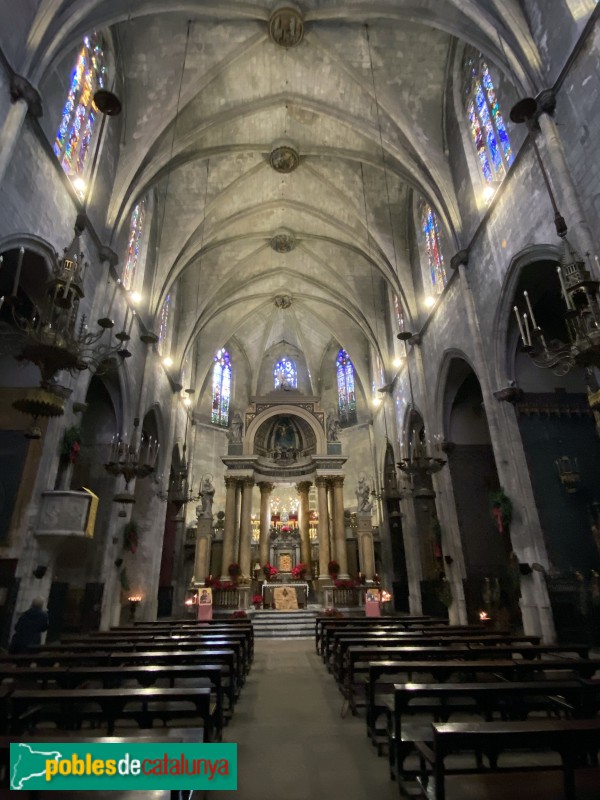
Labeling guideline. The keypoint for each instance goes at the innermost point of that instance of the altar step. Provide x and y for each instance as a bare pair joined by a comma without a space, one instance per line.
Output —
270,624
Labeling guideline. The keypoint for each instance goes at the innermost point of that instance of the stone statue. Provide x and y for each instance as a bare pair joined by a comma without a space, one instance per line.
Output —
363,501
237,428
207,495
333,428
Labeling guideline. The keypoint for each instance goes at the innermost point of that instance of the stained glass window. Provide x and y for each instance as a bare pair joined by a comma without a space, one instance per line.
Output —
435,257
285,374
346,391
136,227
163,326
486,123
221,389
399,314
74,135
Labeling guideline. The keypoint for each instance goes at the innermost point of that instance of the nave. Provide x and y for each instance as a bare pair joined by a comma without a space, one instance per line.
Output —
292,740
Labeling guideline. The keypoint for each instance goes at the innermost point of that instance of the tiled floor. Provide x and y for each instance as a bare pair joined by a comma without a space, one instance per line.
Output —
292,742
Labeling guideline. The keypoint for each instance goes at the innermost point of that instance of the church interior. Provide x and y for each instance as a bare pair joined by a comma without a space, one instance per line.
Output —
300,328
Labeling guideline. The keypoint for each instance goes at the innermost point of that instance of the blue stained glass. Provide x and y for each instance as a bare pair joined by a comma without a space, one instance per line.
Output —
346,391
75,131
221,389
431,232
285,374
488,131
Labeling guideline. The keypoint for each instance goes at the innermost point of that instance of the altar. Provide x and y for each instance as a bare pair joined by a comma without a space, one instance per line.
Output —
300,589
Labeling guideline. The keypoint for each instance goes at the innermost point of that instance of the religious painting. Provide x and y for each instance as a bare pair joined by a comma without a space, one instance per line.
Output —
205,597
373,596
285,562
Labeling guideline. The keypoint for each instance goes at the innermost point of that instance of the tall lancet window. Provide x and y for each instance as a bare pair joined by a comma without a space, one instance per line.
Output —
221,389
136,229
399,314
346,391
285,374
74,135
433,246
163,326
486,123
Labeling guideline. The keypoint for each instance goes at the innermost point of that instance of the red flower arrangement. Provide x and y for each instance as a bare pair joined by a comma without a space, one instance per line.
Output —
299,571
257,600
216,584
269,570
234,571
333,568
285,529
347,584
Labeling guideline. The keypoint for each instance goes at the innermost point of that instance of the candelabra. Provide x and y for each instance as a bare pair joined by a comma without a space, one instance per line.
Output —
50,336
417,464
579,292
131,460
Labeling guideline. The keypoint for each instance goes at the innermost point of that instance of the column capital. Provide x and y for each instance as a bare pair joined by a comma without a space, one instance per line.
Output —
321,482
230,481
337,481
265,487
247,481
108,255
303,487
462,257
21,89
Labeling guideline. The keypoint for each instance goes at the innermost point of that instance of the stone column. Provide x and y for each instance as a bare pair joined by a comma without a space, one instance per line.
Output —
527,538
246,527
25,99
324,549
366,554
265,520
339,527
202,560
237,517
229,530
331,530
303,488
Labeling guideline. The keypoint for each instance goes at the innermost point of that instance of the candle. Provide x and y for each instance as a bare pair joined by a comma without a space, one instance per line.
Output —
112,299
530,309
563,287
126,317
521,331
528,337
18,272
131,322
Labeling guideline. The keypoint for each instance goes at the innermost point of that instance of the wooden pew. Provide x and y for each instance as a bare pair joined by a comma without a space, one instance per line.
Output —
68,706
572,740
438,701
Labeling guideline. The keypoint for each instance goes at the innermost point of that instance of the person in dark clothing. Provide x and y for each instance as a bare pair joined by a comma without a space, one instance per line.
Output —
29,628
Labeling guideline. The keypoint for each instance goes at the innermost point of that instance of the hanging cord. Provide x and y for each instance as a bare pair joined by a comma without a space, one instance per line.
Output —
164,210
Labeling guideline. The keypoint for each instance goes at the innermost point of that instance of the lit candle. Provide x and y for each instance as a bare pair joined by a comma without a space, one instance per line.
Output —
18,272
1,299
521,331
530,309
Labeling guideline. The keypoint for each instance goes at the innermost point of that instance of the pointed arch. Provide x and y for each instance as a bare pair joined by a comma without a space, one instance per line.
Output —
221,389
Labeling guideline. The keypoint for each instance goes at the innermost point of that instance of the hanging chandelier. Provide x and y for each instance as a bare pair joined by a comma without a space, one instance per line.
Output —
50,334
136,459
578,290
418,463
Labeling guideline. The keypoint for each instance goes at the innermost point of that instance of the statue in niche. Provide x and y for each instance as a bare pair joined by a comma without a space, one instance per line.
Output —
285,445
237,428
363,497
207,495
333,428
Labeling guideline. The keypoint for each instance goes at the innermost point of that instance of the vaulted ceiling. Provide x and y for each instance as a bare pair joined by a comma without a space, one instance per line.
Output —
208,94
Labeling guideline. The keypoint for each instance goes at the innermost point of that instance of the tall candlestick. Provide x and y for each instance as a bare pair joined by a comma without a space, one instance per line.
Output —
528,337
563,287
112,299
516,310
18,272
131,321
530,309
126,318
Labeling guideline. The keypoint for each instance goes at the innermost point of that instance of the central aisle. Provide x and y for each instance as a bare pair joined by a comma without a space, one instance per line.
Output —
292,742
